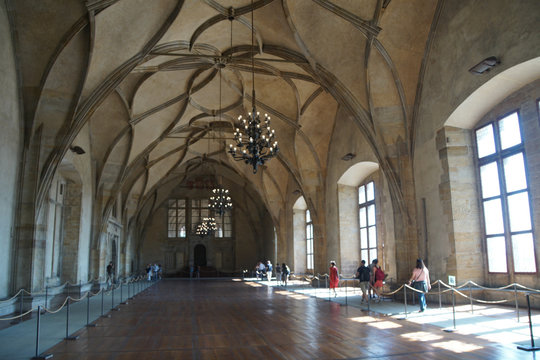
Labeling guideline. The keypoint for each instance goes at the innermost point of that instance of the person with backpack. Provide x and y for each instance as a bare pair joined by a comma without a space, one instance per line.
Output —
363,276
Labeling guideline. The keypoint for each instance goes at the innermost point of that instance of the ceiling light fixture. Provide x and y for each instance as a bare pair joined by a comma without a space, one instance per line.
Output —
206,227
255,143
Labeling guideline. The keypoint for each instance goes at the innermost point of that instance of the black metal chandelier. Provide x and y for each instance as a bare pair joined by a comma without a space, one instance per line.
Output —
206,227
255,141
220,201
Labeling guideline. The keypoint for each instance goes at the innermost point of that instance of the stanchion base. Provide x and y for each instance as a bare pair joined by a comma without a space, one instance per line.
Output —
91,325
76,337
528,348
42,356
450,330
115,309
124,303
106,316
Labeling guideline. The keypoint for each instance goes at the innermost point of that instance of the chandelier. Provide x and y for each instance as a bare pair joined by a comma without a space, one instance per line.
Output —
255,143
220,201
206,227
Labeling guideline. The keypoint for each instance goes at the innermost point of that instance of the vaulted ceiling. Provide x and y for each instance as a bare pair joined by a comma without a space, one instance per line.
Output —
139,86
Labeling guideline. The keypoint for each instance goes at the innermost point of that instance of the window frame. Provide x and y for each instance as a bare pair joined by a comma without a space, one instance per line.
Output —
177,223
366,204
498,157
309,254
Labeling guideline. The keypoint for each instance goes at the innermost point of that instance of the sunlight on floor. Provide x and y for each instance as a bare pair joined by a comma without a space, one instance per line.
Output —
253,284
457,346
422,336
385,325
364,319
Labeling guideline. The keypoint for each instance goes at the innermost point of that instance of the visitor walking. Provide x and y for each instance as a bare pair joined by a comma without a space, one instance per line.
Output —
420,281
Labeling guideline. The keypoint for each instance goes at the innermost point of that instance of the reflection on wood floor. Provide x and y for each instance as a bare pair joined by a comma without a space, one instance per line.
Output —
207,319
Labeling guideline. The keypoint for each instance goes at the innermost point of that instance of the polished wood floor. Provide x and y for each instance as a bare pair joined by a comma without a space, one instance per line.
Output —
207,319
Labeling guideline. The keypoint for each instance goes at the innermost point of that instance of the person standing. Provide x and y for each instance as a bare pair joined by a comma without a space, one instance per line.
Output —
269,270
278,274
110,274
334,277
420,281
379,277
363,276
372,268
285,271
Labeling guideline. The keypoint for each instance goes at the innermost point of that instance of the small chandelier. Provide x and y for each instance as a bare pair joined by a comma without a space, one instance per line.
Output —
206,227
255,140
220,201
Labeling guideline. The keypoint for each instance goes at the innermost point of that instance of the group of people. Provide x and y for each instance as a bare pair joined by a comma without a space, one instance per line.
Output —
263,271
371,278
153,272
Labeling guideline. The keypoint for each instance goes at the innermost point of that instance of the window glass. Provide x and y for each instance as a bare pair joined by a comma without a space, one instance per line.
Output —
370,191
365,254
493,217
308,216
509,130
514,173
485,141
523,250
363,238
489,177
362,194
496,250
372,236
371,214
519,212
362,217
372,254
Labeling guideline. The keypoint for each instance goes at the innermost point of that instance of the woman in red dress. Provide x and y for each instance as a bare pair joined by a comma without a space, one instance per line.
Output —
334,277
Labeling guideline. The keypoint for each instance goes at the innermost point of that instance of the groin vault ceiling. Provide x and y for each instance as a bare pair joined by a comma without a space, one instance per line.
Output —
136,84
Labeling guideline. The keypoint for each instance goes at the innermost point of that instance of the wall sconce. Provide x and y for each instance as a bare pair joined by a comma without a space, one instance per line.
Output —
77,150
485,65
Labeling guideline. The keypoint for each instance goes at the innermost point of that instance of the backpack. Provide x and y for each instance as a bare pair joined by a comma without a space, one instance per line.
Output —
287,270
363,274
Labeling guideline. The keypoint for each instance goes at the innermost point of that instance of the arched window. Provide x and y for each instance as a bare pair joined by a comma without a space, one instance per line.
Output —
309,241
367,222
504,193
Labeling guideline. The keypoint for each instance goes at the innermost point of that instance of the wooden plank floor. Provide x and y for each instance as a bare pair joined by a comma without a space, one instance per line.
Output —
210,319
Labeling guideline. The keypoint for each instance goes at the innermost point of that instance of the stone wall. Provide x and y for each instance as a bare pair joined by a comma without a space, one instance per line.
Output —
10,138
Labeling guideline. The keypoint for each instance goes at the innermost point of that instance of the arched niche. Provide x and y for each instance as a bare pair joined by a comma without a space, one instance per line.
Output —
299,235
347,189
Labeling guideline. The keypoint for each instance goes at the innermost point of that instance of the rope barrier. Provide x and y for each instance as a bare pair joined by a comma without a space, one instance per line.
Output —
18,316
13,297
57,310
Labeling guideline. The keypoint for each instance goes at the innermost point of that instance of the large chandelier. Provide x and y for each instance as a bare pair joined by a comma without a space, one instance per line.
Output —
220,201
206,227
255,143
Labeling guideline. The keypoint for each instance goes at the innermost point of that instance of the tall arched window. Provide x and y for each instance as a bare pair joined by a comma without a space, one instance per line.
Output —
505,196
367,222
309,241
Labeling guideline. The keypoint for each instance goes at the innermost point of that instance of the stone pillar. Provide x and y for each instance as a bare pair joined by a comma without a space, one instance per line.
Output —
72,222
459,199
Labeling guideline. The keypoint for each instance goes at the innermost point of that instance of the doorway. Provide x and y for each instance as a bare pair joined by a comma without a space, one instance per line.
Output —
199,255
